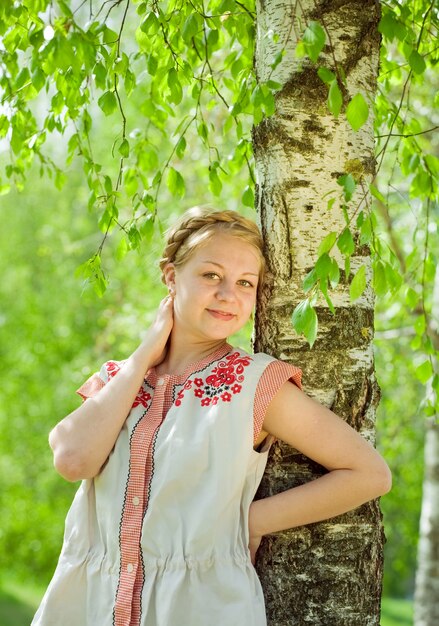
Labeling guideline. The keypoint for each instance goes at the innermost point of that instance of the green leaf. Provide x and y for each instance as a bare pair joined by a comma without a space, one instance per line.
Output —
309,281
324,290
180,147
424,371
357,111
327,243
335,99
379,279
152,64
390,27
107,102
150,23
304,320
323,265
175,86
345,242
215,184
347,267
190,28
248,197
334,274
411,298
175,183
202,131
124,148
134,237
348,183
314,39
358,284
147,228
326,75
277,59
122,249
417,62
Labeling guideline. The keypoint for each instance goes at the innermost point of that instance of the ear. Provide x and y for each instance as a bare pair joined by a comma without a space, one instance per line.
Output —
169,275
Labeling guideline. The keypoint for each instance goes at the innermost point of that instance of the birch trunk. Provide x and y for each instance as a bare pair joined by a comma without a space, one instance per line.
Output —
427,572
326,574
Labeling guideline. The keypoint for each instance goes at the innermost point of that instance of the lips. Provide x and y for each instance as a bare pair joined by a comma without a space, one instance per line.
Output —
221,315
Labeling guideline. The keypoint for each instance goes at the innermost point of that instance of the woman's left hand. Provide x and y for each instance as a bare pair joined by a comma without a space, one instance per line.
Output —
255,536
254,543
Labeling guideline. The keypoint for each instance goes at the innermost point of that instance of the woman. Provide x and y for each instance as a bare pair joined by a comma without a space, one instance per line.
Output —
171,445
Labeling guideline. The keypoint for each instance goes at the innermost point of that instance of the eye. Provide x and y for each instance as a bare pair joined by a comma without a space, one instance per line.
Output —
211,275
245,283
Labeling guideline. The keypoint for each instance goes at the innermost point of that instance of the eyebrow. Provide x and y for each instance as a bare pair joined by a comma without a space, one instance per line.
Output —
222,267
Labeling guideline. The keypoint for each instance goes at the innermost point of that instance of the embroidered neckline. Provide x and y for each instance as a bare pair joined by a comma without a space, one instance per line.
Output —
178,379
221,384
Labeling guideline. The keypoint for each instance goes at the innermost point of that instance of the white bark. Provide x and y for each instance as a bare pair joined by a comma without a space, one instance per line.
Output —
427,572
330,573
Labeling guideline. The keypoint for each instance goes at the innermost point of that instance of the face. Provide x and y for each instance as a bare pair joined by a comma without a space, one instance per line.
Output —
215,289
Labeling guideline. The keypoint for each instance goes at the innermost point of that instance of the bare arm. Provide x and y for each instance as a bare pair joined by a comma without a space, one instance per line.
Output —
82,441
357,473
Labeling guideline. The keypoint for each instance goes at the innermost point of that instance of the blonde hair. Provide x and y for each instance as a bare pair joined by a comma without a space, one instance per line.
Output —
197,226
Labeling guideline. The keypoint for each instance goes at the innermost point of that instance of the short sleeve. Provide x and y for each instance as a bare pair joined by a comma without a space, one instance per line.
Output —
274,376
99,379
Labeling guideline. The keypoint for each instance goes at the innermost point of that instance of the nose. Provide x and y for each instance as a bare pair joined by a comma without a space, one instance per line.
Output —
226,292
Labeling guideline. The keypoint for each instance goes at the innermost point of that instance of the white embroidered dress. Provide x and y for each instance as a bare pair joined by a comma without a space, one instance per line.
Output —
160,536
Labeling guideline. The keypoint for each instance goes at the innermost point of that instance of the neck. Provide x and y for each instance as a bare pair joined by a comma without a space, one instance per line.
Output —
182,353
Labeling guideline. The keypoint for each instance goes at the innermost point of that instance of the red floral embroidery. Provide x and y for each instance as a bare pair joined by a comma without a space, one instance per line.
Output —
225,378
112,368
142,398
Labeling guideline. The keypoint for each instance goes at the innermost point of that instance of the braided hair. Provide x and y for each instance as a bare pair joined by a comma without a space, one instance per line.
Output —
198,224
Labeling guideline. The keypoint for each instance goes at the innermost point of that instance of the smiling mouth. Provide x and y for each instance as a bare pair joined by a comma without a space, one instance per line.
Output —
224,315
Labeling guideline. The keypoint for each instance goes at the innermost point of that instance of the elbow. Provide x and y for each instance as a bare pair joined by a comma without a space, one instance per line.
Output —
382,480
67,462
68,466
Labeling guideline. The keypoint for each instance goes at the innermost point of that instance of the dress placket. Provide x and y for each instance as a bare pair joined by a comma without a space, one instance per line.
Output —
127,609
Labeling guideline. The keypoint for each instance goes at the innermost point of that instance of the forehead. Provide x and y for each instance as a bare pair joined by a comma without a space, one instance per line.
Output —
230,251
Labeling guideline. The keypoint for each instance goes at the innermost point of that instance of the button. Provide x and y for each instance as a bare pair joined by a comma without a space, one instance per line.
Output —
160,381
130,568
136,501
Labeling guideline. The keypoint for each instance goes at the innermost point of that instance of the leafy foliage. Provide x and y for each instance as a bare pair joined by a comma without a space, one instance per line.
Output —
137,67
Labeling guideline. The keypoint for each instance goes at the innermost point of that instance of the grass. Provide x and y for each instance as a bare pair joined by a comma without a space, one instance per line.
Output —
18,603
396,612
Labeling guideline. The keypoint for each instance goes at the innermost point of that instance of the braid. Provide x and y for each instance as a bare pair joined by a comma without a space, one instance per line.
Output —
203,222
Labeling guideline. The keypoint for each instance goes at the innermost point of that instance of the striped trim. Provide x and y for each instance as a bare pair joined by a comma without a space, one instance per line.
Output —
91,386
127,608
275,375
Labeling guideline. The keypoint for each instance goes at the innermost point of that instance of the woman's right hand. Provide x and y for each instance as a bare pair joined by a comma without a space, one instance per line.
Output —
82,441
154,344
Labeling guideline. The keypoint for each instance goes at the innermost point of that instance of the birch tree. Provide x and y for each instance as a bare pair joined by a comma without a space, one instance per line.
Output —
327,573
427,580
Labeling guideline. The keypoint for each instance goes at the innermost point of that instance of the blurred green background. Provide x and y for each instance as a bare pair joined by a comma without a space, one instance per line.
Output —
54,332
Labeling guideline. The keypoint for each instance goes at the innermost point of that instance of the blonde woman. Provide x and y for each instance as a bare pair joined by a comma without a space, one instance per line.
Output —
171,445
